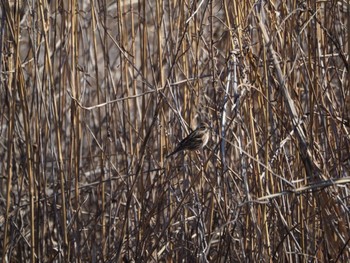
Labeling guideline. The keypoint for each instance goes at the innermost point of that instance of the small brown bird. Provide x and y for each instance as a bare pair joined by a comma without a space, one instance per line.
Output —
196,140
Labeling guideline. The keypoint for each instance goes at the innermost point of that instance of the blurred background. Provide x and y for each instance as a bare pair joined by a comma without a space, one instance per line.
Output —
94,95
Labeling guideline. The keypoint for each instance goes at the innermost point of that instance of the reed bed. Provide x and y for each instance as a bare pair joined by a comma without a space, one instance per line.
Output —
94,95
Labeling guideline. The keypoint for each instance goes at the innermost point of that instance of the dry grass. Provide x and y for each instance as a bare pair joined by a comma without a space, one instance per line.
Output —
94,94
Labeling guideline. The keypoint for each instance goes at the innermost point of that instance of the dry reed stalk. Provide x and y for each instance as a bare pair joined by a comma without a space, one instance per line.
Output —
10,139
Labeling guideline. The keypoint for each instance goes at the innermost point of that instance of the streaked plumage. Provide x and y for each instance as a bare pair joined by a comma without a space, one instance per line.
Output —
196,140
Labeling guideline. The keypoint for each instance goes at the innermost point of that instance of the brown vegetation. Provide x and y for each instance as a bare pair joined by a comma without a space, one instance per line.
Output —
95,94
